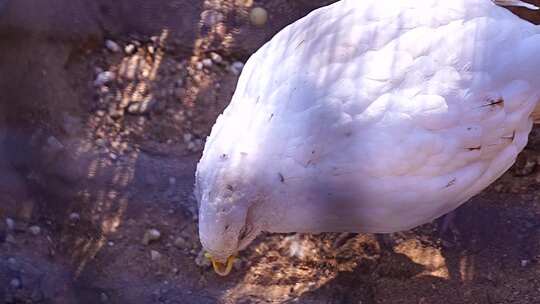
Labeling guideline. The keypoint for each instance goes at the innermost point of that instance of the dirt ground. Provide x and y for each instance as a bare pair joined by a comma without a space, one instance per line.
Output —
101,138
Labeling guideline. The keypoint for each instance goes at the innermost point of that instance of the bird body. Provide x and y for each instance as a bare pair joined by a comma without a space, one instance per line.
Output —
369,116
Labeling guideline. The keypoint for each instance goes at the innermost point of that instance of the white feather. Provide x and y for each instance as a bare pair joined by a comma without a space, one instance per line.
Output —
379,115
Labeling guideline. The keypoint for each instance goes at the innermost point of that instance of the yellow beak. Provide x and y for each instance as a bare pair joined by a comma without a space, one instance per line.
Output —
222,269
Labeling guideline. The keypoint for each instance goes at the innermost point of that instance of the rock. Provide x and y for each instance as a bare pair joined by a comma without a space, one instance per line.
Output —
236,67
138,108
103,297
104,78
115,113
525,263
104,90
155,255
100,142
13,265
74,217
35,230
130,49
187,137
54,144
112,46
207,62
192,146
181,243
10,223
15,283
258,16
216,57
179,83
199,65
211,18
202,261
10,239
37,295
195,145
151,235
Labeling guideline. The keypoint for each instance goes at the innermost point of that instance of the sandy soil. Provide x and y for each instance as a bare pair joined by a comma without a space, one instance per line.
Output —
97,176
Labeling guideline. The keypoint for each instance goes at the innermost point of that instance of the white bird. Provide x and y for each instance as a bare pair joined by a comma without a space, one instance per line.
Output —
369,116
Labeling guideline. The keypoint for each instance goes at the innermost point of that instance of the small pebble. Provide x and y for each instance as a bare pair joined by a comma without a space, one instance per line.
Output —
35,230
54,143
151,235
13,265
181,243
216,57
155,255
100,142
199,65
179,83
103,297
207,62
172,180
10,223
104,78
74,217
236,67
191,146
202,261
187,137
104,90
10,239
130,49
15,283
211,18
110,243
258,16
37,295
525,263
112,46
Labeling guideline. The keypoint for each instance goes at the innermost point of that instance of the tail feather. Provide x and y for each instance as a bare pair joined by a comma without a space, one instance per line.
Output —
536,114
516,3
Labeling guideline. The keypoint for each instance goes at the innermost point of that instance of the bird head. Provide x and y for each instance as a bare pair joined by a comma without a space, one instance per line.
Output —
227,221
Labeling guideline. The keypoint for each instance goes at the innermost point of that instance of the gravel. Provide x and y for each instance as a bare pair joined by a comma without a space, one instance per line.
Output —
10,223
74,217
237,67
35,230
112,46
155,255
104,78
151,235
